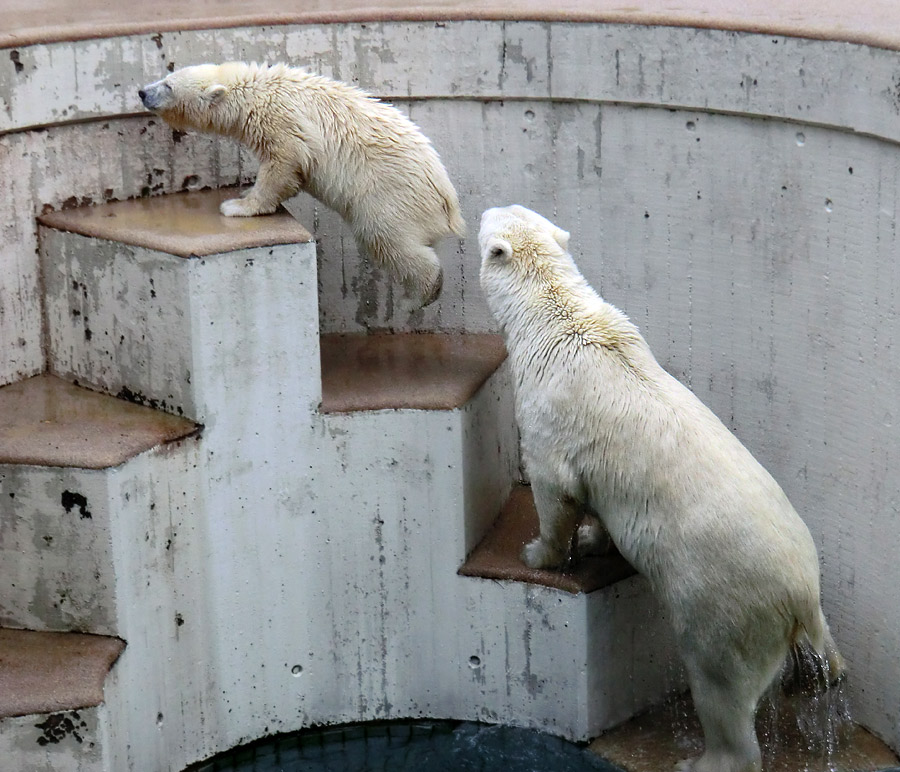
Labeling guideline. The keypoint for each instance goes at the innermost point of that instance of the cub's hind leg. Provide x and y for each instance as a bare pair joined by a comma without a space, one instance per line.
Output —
416,266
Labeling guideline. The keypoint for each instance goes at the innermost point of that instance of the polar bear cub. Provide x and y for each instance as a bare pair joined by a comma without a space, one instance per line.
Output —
606,431
361,157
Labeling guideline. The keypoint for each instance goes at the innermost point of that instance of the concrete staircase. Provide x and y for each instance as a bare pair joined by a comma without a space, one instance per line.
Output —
270,519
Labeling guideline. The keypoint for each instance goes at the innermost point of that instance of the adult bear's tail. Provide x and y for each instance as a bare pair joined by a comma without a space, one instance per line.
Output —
817,663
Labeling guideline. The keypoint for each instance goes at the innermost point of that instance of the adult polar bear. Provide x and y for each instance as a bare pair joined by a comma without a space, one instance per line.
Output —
361,157
606,429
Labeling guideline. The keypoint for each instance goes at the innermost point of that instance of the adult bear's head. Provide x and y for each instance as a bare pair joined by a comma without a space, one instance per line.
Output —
522,255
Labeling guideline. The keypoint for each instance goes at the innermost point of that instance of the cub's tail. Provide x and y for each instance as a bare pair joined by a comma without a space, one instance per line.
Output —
454,216
449,201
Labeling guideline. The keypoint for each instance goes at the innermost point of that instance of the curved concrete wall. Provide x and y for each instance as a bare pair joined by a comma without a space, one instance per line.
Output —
736,194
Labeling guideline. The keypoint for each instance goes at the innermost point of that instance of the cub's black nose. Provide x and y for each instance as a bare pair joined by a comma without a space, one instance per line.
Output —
142,94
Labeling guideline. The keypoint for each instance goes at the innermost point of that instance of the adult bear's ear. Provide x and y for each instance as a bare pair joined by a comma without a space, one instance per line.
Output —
562,238
498,249
213,94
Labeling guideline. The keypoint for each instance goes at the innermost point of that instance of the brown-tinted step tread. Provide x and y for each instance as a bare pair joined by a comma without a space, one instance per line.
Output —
656,740
182,224
498,555
48,672
47,421
406,370
23,23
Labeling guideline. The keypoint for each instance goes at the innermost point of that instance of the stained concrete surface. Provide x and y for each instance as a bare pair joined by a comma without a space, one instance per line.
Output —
405,371
43,672
497,556
47,421
182,224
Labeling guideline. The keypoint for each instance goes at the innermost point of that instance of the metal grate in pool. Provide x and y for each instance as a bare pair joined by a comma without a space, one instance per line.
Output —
420,746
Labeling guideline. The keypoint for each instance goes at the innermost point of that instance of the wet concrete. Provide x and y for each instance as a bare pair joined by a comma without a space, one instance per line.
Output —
497,557
182,224
658,739
405,371
44,672
47,421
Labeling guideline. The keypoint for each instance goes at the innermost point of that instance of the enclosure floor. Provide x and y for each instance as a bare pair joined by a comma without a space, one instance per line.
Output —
876,22
655,741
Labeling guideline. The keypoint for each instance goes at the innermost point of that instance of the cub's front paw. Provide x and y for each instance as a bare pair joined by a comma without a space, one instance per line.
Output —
539,554
240,207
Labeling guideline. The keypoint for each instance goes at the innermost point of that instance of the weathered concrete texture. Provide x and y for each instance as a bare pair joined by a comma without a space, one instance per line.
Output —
544,155
68,741
44,672
58,541
499,555
65,167
164,695
55,547
46,421
759,259
110,305
413,372
835,84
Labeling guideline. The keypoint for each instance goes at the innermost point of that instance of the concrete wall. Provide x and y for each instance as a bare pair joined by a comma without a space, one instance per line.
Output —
735,194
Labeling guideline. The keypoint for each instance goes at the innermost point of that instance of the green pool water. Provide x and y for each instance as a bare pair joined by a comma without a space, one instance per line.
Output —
419,746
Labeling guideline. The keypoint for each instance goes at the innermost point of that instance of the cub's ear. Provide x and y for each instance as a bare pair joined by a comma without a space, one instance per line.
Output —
213,94
562,238
499,249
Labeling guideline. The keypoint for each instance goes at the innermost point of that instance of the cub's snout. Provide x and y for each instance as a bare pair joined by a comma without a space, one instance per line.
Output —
155,95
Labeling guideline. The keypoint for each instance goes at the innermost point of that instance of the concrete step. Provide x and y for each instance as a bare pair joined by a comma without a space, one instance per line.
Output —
329,478
593,631
68,460
498,554
166,302
51,699
46,421
405,371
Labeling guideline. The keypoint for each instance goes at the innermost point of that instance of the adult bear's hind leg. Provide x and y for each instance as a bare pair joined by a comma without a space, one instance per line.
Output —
726,689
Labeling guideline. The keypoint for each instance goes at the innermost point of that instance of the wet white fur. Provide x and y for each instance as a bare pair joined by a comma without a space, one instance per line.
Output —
605,429
359,156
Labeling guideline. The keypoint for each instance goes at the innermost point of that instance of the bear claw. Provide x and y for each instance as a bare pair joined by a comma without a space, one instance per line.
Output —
538,554
241,207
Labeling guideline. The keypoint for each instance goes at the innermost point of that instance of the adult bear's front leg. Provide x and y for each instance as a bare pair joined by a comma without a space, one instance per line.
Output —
558,514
